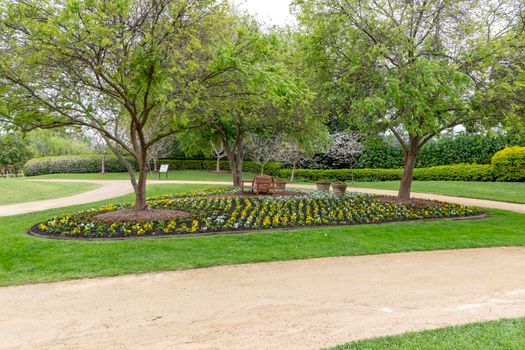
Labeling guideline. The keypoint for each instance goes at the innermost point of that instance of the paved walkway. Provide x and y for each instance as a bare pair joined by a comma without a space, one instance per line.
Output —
116,188
305,304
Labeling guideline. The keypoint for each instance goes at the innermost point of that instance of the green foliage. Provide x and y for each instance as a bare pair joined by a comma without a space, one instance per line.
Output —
509,164
72,164
13,150
469,148
465,148
379,154
460,172
48,143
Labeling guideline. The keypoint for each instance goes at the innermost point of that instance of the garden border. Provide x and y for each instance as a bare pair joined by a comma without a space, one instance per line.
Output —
30,232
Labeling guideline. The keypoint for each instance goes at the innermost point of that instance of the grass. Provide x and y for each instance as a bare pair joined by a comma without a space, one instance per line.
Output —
193,175
499,191
19,190
498,335
27,259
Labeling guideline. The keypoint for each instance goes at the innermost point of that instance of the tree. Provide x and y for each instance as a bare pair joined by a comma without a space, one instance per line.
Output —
256,93
409,68
133,70
345,148
262,148
13,150
218,151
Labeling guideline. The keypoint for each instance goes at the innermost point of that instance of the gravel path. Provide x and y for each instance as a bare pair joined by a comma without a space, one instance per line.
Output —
305,304
116,188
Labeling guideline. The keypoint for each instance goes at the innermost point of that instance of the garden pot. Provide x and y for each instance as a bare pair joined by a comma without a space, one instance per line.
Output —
339,189
280,185
323,186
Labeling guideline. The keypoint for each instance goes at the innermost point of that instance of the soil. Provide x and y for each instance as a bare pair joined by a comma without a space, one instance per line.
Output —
128,215
302,304
411,201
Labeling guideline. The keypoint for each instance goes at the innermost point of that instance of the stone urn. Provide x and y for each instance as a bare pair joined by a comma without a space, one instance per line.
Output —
323,186
339,189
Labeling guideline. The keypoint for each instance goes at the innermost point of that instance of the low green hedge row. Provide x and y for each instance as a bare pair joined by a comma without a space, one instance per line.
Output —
272,168
72,164
460,172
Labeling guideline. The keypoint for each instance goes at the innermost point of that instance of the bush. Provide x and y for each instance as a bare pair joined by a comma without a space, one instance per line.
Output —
509,164
72,164
460,172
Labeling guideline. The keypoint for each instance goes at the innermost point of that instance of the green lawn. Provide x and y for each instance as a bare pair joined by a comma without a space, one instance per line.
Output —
19,190
27,259
190,175
499,335
500,191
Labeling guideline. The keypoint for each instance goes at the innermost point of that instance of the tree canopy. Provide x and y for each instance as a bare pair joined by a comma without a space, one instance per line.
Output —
410,68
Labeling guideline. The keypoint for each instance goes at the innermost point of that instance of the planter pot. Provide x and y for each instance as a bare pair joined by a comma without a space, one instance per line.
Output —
323,186
280,185
339,189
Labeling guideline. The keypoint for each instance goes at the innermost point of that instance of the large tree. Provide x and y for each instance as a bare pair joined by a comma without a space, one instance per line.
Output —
257,93
133,70
409,68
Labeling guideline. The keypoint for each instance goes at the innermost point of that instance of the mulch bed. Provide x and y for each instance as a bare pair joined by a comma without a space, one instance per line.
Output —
127,215
411,201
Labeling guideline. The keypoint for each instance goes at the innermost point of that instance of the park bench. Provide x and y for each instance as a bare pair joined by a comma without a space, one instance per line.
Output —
260,185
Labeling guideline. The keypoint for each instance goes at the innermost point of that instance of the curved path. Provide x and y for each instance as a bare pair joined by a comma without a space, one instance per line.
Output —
116,188
305,304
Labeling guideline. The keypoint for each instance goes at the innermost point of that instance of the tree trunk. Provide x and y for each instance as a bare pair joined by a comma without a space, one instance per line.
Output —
103,165
293,172
218,167
140,189
409,162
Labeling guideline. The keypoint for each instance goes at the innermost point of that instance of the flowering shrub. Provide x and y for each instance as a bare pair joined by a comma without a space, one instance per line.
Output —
218,211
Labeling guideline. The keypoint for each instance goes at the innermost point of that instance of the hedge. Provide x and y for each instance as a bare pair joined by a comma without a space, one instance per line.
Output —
460,172
271,168
72,164
509,164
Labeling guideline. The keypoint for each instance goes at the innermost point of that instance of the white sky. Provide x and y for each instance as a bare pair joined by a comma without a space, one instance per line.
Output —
269,11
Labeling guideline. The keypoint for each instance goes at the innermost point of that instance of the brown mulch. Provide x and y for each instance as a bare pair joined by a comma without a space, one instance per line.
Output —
412,201
127,215
277,194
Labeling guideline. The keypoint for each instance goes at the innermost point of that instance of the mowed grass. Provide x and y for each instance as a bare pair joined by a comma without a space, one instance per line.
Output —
18,190
498,191
499,335
188,175
26,259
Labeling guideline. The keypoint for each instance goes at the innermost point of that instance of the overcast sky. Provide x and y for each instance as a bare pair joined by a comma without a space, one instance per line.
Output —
270,11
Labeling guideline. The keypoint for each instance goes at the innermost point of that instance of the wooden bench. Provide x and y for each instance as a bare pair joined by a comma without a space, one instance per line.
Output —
260,185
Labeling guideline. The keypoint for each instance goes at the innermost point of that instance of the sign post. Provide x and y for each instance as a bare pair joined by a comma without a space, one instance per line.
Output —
164,169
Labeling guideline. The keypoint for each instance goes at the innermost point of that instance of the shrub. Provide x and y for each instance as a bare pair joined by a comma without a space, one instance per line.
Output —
72,164
509,164
460,172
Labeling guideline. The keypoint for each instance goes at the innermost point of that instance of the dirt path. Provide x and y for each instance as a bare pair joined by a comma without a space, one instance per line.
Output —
116,188
306,304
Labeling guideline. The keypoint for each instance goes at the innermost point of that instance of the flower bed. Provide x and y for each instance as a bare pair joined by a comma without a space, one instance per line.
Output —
218,211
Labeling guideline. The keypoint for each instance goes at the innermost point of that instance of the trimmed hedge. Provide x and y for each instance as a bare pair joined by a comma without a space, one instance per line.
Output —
509,164
272,168
72,164
460,172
